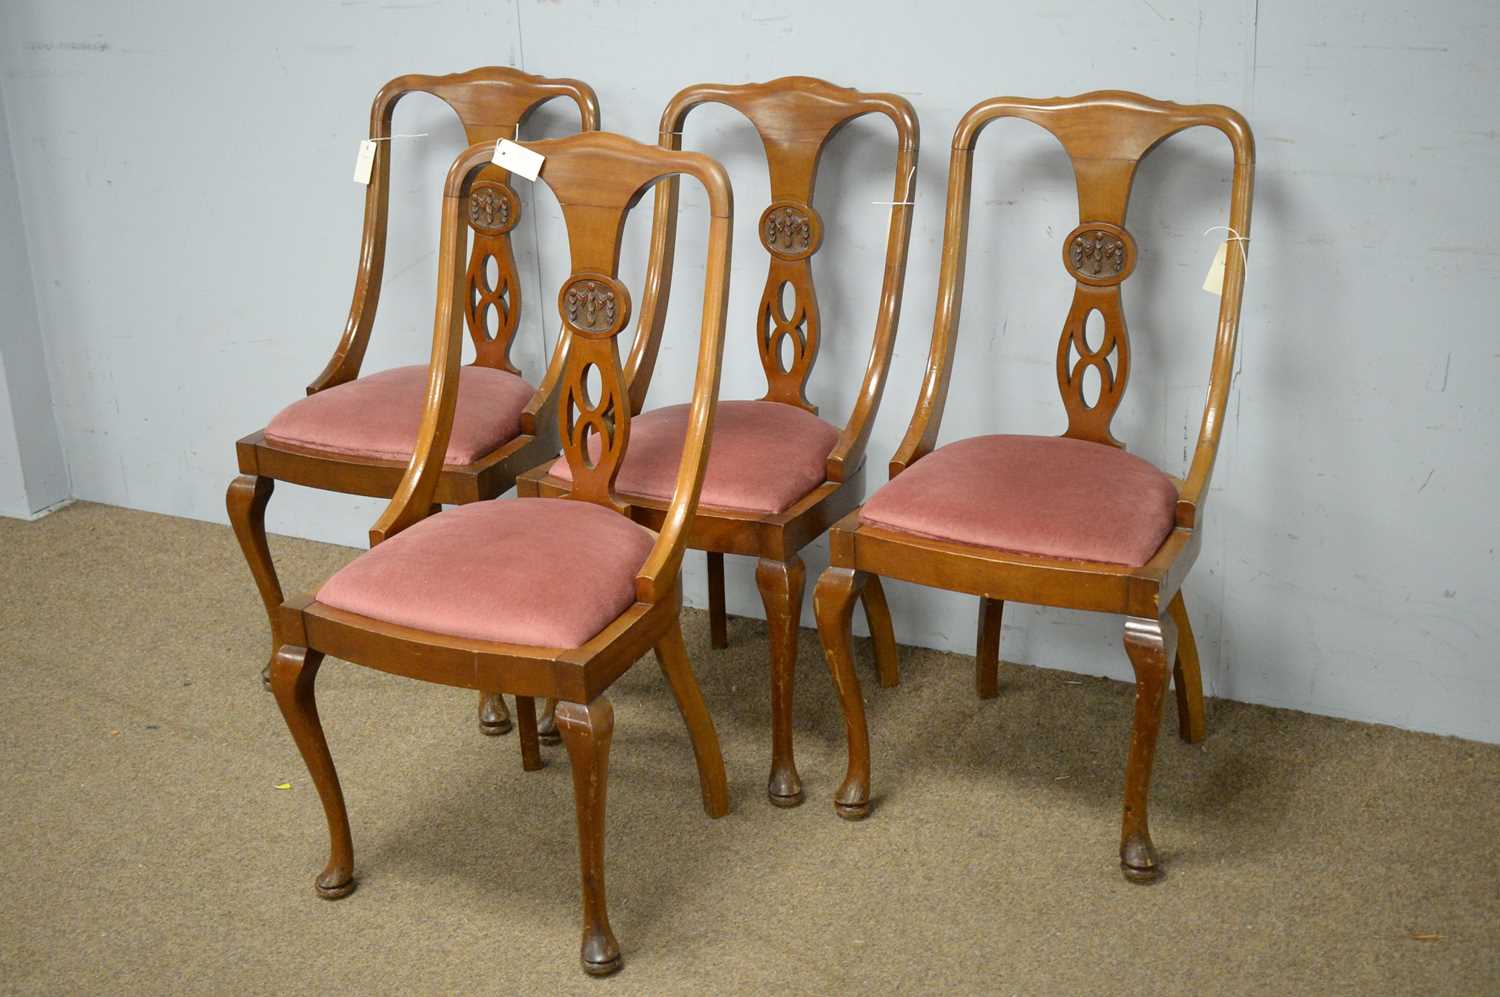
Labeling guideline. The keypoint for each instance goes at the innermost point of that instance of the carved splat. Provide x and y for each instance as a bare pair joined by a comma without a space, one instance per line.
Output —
494,210
1099,254
493,207
791,230
595,305
595,421
798,323
1111,359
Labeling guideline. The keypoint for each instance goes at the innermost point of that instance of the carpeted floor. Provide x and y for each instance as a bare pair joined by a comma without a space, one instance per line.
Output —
147,848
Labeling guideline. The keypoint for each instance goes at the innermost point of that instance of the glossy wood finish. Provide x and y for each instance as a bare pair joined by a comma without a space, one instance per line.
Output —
987,649
1105,135
795,117
596,178
294,670
491,103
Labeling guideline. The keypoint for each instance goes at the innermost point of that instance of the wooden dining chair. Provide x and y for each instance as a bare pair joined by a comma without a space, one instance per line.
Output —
1071,521
779,475
355,434
536,597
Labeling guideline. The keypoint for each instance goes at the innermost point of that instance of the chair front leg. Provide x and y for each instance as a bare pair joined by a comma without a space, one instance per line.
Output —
987,648
294,670
780,584
833,604
587,731
246,501
1192,722
672,655
1151,645
494,717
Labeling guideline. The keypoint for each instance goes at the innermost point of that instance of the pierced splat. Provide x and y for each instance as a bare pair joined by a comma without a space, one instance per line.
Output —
492,102
795,118
1099,256
797,324
595,421
494,210
1089,420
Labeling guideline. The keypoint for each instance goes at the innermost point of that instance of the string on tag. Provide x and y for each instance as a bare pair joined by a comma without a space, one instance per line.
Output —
907,186
1233,237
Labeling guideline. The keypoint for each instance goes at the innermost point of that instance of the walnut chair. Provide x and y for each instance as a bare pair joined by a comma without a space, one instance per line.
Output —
779,475
355,434
551,597
1071,521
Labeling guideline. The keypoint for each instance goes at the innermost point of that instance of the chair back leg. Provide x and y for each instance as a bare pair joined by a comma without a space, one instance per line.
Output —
672,655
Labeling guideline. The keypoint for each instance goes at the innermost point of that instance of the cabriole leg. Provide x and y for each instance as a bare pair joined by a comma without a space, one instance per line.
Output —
1151,645
587,730
293,672
833,604
246,501
780,585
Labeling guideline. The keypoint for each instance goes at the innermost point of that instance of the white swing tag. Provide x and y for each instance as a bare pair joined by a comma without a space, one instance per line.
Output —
1214,282
364,162
518,159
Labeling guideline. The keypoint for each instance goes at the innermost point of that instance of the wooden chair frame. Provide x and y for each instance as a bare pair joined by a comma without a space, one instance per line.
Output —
597,178
1106,134
796,117
492,103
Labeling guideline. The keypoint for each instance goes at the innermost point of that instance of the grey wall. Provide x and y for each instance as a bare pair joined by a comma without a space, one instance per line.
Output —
184,170
33,474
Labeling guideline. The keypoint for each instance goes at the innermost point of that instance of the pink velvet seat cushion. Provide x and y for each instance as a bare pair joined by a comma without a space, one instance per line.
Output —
378,416
1042,495
764,455
543,572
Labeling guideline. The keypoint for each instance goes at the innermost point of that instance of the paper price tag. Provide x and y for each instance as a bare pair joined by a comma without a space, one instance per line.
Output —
518,159
1214,282
364,162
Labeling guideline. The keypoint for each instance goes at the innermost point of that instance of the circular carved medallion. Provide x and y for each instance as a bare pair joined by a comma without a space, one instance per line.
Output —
494,208
1099,253
791,230
594,305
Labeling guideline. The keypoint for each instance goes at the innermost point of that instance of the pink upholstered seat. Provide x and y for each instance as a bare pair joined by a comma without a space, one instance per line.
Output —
543,572
378,416
1042,495
764,455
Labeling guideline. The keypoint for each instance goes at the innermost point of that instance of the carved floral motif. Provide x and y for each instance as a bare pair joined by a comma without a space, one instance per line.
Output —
493,209
789,230
591,306
1097,253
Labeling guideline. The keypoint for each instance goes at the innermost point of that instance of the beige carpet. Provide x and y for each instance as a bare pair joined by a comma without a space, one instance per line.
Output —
148,850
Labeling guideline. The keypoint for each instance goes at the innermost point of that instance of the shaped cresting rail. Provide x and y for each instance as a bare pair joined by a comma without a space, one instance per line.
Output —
1106,134
597,178
795,117
491,103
